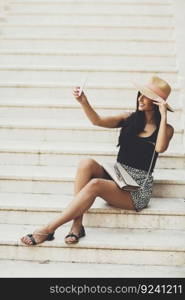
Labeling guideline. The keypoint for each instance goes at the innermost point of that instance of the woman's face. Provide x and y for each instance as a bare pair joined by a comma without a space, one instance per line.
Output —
145,103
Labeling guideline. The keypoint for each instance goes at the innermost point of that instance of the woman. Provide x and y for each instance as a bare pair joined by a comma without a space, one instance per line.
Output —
140,131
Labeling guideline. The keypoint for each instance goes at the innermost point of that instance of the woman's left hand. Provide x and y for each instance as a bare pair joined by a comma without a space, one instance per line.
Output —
162,106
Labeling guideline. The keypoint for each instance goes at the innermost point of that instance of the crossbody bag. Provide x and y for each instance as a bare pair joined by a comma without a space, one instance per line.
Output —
122,178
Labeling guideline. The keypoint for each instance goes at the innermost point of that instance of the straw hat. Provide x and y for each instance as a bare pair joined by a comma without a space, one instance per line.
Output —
156,89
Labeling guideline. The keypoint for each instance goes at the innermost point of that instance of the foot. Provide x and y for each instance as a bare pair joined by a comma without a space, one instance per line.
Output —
38,237
76,232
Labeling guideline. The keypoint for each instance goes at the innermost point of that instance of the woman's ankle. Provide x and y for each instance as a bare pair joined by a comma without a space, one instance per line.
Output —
50,228
77,225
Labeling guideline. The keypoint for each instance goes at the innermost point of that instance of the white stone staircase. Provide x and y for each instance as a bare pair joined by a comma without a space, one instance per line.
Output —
47,47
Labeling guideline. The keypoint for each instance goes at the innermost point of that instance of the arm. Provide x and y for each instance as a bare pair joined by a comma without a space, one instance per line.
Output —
96,119
165,133
103,121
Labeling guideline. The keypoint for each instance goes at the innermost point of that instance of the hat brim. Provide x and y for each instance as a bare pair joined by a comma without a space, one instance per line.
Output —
150,94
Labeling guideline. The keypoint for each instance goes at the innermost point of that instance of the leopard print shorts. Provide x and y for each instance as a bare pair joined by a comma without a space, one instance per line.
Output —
142,196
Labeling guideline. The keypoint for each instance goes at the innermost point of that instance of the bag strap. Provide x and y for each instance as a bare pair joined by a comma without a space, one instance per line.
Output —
149,167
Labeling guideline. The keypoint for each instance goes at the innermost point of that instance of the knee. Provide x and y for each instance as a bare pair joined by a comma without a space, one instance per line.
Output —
95,186
86,163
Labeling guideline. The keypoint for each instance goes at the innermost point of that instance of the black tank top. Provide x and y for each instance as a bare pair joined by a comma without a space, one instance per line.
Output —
136,151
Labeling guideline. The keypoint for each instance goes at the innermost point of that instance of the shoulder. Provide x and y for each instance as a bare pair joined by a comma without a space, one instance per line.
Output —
121,118
125,115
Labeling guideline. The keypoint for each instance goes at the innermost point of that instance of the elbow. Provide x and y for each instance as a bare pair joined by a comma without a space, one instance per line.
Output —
161,149
96,122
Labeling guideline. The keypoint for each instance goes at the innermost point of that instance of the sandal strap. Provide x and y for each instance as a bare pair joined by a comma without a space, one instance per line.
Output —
82,232
50,237
72,235
32,239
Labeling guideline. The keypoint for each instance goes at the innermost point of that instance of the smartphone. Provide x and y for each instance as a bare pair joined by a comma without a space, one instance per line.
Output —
83,85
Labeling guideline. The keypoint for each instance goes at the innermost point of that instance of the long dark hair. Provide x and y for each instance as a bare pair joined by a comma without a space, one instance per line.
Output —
136,122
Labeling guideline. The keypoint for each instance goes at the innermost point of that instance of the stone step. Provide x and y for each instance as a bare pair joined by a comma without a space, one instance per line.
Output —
149,2
162,213
50,58
70,108
116,54
68,102
46,268
60,180
30,153
125,94
109,22
76,19
97,74
100,245
135,247
154,8
59,130
136,46
86,31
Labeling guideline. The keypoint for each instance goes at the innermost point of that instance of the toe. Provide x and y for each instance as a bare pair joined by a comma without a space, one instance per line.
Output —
70,239
26,240
23,239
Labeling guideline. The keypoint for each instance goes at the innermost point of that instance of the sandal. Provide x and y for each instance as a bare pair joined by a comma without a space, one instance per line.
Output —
77,237
49,237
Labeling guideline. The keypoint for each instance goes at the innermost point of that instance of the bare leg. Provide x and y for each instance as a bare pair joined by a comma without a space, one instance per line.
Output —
107,189
88,169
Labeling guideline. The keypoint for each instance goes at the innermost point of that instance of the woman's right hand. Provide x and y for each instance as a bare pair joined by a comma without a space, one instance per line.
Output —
82,98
